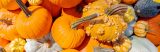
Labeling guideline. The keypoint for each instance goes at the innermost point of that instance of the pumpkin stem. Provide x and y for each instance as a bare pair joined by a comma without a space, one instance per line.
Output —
24,8
81,20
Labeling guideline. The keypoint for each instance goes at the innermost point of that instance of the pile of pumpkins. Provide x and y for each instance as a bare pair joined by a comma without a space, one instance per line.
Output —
79,26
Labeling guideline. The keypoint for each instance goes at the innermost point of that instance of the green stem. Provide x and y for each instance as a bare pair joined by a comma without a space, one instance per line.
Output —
81,20
24,8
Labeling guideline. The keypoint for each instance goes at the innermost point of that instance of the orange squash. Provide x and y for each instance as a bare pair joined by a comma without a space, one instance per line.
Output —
153,32
7,25
35,24
52,8
3,42
10,4
129,1
70,50
64,35
66,3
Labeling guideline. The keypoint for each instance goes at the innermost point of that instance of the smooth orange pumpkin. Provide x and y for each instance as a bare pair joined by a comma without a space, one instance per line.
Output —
10,4
70,50
129,1
7,25
153,32
52,8
64,35
66,3
3,42
36,25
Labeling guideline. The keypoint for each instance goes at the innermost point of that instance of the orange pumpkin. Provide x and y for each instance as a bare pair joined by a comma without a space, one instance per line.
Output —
89,1
64,35
75,11
154,33
36,25
89,44
70,50
3,42
158,48
10,4
129,1
52,8
66,3
7,25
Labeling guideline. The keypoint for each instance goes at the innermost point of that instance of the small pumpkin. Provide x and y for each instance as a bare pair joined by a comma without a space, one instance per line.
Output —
70,50
66,3
10,4
153,32
36,24
140,44
64,34
16,45
46,44
3,42
7,25
129,1
35,2
141,28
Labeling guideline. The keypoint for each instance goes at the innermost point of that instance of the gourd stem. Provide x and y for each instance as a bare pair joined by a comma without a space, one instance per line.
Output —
24,8
81,20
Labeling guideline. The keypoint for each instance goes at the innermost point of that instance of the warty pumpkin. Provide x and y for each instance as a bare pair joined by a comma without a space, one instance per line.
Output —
153,32
70,50
3,42
66,3
10,4
16,45
33,23
35,2
7,25
65,35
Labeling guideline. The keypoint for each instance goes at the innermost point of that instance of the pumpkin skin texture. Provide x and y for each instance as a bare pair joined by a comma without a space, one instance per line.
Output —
72,11
16,45
66,3
141,28
7,25
158,48
37,25
10,4
153,32
35,2
129,1
69,50
64,35
3,42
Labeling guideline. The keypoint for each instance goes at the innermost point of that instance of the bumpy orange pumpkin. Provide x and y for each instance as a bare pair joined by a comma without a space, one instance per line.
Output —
66,3
129,1
64,35
36,25
70,50
153,32
52,8
10,4
7,25
3,42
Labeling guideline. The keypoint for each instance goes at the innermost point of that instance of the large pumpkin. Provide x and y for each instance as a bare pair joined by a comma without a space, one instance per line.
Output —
3,42
153,32
66,3
64,35
36,25
10,4
7,25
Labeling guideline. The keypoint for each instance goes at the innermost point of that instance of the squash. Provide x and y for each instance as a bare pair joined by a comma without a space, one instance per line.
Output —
157,1
46,44
123,44
3,42
36,22
129,1
65,35
66,3
52,8
92,45
140,44
16,45
7,25
69,50
146,8
153,32
35,2
10,4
